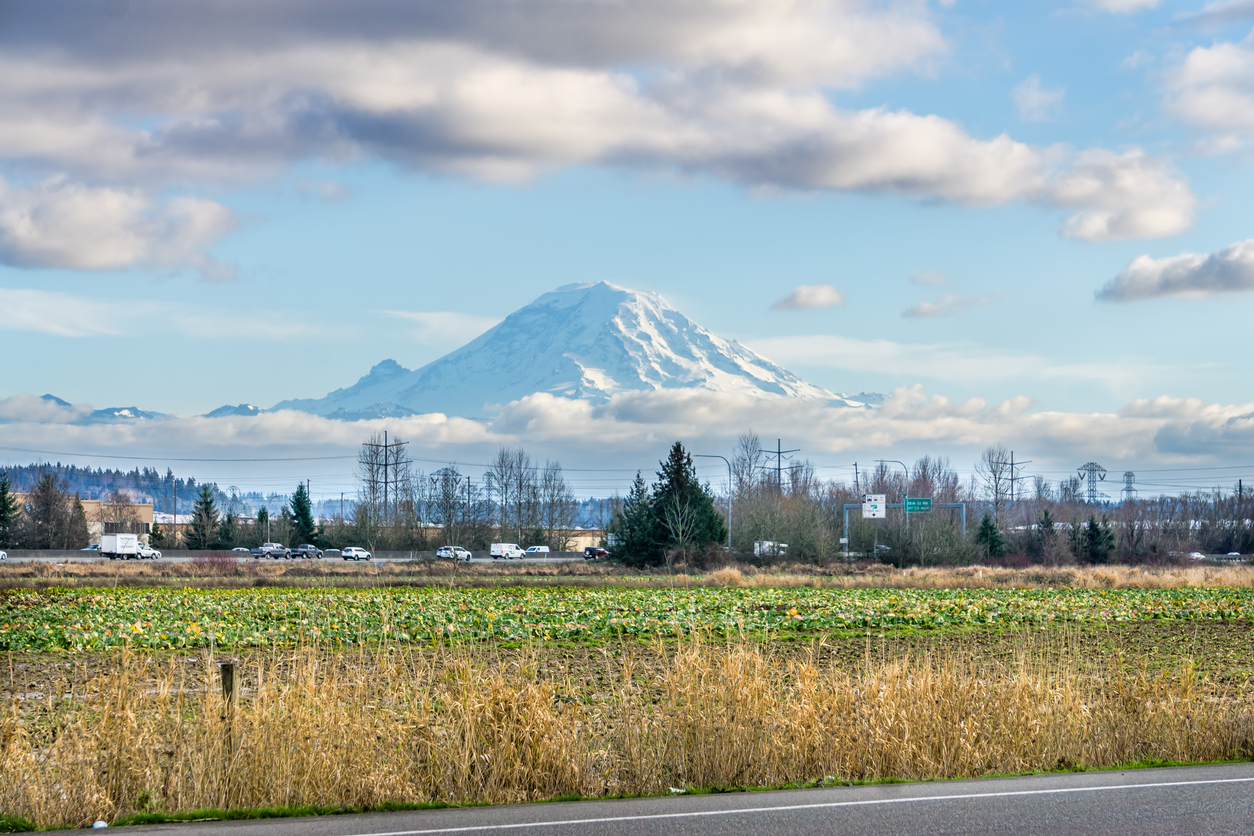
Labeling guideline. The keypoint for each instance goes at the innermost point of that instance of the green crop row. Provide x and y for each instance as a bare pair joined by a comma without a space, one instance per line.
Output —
94,619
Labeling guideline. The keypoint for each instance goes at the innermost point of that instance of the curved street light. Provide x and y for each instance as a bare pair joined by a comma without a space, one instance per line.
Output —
729,488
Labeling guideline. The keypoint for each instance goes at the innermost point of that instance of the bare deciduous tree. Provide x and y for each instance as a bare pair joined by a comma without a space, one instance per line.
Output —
993,469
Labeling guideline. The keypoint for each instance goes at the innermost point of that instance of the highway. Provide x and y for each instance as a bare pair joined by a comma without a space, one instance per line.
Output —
1202,799
85,557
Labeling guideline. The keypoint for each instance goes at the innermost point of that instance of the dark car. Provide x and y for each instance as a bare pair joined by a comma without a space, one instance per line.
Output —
307,550
593,552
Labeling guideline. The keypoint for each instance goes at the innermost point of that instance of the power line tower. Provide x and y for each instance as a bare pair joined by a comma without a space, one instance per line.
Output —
391,466
1092,473
780,455
1129,479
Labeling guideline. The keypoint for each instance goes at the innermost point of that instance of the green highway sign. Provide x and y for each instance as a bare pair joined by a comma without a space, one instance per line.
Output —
918,504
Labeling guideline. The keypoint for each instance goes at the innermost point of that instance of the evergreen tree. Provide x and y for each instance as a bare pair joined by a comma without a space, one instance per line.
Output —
1098,541
990,538
8,512
202,533
302,516
263,525
228,531
632,526
156,537
684,513
76,535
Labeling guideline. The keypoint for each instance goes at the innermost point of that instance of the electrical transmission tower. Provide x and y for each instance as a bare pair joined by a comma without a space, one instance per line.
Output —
1129,479
780,455
1092,473
391,467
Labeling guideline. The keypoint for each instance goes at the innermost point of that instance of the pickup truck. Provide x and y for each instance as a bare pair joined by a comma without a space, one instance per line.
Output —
275,550
308,550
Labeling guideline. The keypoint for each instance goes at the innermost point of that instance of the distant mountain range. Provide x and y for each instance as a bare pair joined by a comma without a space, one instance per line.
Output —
582,341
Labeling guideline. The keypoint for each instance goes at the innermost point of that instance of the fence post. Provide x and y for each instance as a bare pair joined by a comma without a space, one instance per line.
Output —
230,696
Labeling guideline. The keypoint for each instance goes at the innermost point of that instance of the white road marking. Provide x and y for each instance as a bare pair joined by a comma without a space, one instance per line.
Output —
790,807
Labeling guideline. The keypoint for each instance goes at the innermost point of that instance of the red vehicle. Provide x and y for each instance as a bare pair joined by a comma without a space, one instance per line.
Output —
593,552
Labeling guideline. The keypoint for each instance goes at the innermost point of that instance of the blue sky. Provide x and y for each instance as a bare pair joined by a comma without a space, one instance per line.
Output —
221,202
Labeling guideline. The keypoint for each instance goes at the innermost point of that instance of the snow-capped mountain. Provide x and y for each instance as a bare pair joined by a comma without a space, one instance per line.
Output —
230,411
110,415
583,341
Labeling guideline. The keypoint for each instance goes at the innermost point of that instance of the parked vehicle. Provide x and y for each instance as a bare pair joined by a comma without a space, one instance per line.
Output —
537,550
275,550
146,552
594,552
308,550
509,551
354,553
124,546
452,553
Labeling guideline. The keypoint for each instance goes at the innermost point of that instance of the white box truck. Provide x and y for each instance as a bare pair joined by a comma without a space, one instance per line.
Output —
124,546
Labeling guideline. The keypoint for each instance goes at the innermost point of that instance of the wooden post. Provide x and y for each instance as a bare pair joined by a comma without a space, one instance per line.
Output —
230,696
230,691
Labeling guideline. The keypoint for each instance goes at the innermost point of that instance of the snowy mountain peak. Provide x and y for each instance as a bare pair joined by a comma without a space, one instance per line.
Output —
584,341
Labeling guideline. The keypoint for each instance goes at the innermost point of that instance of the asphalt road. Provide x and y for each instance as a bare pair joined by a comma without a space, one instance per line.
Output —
334,558
1203,799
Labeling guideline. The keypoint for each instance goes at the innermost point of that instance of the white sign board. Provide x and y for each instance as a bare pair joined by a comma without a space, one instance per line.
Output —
874,506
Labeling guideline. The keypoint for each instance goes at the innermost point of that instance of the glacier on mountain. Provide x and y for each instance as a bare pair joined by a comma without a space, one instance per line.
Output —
582,341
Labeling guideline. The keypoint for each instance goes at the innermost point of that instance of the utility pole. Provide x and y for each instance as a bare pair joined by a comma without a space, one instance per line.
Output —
857,485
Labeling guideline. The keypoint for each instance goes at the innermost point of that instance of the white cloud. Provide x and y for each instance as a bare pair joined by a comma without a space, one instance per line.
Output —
66,315
639,426
57,223
1190,275
958,362
1123,7
328,191
1035,102
929,277
811,296
1219,13
1213,88
739,91
951,304
444,328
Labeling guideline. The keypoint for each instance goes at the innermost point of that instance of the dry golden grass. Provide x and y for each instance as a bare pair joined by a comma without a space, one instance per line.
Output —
482,725
336,573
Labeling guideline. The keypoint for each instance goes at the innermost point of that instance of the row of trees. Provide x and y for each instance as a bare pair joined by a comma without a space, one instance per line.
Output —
404,508
50,517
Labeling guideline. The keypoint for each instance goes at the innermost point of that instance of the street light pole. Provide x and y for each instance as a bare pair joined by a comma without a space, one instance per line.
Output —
905,504
729,489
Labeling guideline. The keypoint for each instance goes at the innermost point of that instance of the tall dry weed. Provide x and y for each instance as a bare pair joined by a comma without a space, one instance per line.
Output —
359,728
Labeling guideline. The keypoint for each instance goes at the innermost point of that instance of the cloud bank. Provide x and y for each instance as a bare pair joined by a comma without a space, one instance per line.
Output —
121,109
637,427
1188,275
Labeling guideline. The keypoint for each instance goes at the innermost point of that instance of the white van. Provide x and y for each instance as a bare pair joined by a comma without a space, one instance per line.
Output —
537,550
509,551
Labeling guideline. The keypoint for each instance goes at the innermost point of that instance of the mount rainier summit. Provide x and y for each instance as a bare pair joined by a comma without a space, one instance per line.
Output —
582,341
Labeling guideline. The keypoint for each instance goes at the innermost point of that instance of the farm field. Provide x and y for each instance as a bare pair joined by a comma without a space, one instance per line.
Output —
355,698
161,619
